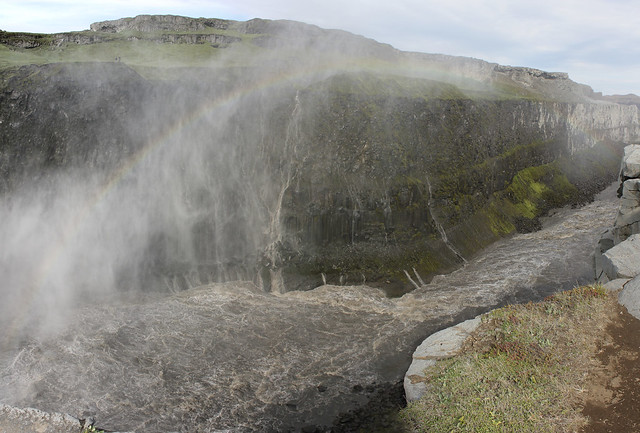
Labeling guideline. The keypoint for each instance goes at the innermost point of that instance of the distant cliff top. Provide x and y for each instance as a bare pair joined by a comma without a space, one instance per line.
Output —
177,41
156,23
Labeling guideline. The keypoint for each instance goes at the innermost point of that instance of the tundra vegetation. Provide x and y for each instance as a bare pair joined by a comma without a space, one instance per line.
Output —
524,370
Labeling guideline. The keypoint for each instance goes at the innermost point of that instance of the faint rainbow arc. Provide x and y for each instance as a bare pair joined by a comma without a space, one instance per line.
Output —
164,136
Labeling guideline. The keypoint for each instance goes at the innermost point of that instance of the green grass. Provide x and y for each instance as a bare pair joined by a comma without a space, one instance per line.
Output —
137,53
522,371
145,52
384,83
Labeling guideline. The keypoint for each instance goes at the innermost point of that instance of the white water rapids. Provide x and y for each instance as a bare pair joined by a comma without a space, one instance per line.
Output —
228,356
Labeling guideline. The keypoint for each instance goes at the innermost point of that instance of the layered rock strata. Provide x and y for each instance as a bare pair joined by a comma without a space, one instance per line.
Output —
294,195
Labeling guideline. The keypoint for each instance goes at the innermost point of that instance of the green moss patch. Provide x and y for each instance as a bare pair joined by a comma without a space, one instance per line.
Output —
535,190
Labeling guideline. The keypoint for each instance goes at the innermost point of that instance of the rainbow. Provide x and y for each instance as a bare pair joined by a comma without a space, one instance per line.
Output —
289,77
42,270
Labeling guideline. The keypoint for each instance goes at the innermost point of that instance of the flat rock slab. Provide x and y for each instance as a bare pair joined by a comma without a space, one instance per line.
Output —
441,345
630,297
622,261
16,420
616,284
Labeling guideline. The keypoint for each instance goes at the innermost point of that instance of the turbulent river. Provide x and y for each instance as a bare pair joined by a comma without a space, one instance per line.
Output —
229,357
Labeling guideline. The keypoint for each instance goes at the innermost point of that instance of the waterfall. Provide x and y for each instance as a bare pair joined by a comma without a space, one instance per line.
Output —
287,175
441,230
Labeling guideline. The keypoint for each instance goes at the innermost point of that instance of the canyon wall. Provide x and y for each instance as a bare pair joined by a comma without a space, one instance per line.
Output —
170,154
287,174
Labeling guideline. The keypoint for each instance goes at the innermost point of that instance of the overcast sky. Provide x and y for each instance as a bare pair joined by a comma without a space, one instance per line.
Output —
596,41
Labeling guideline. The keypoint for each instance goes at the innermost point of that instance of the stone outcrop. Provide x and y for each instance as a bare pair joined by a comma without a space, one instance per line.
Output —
214,39
618,248
441,345
617,256
621,261
627,221
23,40
156,23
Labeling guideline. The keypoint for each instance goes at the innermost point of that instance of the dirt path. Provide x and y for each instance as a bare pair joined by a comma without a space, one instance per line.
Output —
613,390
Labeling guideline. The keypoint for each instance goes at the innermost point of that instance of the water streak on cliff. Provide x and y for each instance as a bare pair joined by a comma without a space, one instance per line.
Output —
441,230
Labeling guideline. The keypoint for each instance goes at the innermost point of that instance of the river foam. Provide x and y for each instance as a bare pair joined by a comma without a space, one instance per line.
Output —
229,356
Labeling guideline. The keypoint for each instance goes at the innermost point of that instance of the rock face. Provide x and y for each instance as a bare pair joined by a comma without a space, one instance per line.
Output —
158,23
617,257
630,163
345,176
628,218
630,296
621,261
446,172
616,252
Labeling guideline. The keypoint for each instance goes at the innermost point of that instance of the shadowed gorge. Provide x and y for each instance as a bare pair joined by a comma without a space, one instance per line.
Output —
234,213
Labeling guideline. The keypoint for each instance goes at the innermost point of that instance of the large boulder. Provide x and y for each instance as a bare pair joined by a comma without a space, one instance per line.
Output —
628,218
631,162
621,261
605,243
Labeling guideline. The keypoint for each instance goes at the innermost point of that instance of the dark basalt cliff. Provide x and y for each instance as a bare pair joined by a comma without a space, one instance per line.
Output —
339,175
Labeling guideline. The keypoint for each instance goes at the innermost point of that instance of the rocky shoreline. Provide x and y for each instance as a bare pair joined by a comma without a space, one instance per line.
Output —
569,230
617,260
617,267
